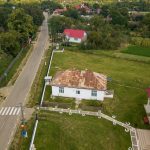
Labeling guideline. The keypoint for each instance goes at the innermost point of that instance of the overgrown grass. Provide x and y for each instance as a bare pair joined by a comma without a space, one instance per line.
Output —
57,101
5,63
64,132
38,84
18,140
129,81
137,50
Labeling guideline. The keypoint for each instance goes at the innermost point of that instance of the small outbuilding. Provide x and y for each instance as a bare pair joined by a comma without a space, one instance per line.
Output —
80,85
75,36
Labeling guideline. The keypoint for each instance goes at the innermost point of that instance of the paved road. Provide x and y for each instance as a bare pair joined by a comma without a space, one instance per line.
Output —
21,89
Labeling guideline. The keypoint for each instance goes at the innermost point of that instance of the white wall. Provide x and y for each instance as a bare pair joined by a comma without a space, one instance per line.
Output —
73,40
84,93
76,40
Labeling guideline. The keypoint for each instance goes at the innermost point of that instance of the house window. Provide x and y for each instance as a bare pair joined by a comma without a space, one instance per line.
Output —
94,93
76,39
61,90
77,92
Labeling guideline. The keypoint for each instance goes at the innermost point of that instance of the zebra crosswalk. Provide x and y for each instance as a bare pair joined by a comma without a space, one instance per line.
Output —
9,111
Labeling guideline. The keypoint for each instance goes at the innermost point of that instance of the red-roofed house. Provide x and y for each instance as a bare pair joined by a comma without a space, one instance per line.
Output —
78,84
75,36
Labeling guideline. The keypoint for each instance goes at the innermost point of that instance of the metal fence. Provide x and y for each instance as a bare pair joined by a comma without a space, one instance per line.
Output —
5,74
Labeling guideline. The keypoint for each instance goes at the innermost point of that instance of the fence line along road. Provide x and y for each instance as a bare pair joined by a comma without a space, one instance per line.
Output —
4,75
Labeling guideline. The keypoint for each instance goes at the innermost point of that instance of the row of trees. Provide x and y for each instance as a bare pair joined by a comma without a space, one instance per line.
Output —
17,27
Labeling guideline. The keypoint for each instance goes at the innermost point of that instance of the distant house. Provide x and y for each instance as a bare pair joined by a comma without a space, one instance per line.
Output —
59,11
83,7
80,85
75,36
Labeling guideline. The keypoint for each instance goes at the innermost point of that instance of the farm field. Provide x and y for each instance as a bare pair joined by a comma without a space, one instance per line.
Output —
137,50
129,81
64,132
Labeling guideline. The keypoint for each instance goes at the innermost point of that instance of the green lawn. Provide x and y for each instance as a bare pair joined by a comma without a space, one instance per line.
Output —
129,80
137,50
64,132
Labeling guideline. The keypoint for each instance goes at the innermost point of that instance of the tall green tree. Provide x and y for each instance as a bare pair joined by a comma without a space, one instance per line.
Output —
57,24
4,13
10,43
22,23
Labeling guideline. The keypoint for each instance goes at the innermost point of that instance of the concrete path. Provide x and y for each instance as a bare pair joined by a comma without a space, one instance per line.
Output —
21,89
144,139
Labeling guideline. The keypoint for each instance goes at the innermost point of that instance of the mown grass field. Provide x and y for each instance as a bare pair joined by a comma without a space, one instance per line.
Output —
137,50
64,132
129,80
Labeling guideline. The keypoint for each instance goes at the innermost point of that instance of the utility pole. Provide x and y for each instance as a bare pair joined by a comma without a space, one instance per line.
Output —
23,126
22,113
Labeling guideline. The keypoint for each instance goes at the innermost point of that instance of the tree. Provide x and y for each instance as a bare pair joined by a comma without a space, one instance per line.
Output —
96,6
57,24
22,23
105,10
146,20
51,5
9,43
4,13
103,35
97,23
72,13
36,13
118,18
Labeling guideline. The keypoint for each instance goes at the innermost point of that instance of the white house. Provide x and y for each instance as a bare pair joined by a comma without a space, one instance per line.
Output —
75,36
80,85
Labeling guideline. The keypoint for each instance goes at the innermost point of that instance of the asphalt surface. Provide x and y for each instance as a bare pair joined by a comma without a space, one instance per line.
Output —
21,88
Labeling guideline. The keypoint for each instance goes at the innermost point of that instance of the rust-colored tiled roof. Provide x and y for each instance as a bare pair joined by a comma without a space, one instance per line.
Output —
80,79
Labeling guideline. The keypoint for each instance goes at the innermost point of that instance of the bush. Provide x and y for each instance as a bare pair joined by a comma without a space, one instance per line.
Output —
145,42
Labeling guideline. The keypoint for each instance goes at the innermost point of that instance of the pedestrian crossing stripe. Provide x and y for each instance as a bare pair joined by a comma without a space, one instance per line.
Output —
7,111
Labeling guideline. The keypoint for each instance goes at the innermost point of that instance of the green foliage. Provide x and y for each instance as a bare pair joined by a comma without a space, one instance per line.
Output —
22,23
4,13
10,43
57,24
51,5
103,35
118,18
146,20
36,13
72,13
96,6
